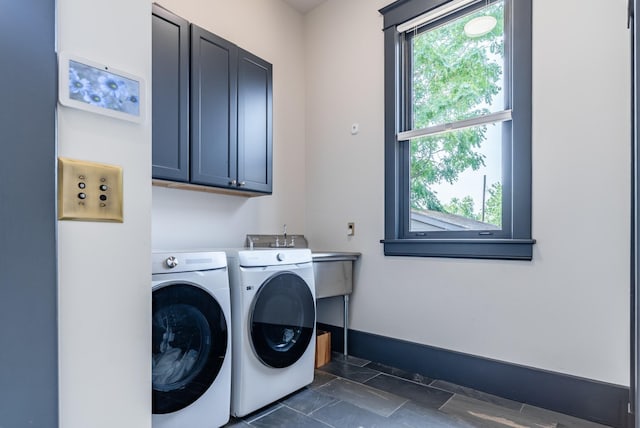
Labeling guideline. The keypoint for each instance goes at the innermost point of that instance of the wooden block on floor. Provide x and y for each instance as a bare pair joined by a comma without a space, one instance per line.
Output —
323,348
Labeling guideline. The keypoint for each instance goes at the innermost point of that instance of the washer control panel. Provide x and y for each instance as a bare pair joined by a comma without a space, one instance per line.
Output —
187,261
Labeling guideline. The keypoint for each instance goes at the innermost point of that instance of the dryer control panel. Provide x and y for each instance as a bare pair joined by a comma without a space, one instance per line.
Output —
274,257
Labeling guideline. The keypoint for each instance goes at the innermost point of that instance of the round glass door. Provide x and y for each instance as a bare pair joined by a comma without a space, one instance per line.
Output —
189,334
282,319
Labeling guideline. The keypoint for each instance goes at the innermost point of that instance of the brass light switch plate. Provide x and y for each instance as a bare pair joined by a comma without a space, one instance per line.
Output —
89,191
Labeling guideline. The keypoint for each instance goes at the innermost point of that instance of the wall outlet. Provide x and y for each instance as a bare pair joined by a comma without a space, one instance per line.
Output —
351,229
89,191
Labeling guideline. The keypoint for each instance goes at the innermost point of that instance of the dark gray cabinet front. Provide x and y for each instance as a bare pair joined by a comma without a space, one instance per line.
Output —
214,70
212,109
254,122
170,87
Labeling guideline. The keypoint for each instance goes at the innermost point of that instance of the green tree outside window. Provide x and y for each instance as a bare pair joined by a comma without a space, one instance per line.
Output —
455,77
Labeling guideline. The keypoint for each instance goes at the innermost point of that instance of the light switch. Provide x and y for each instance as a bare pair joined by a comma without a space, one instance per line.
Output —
89,191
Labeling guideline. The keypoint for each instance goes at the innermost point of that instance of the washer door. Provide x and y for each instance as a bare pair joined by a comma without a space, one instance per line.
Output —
189,345
282,318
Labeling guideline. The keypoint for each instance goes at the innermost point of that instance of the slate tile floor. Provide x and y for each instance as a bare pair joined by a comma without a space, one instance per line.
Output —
355,393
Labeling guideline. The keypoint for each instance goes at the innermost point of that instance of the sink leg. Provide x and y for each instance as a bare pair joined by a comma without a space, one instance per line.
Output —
346,323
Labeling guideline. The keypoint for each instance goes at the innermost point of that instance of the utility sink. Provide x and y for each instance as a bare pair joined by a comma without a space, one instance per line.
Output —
333,273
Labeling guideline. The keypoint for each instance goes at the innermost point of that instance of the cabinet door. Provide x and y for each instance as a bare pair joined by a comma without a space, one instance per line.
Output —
214,64
170,86
254,123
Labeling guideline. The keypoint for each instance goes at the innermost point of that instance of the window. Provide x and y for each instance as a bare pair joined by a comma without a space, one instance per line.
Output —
458,128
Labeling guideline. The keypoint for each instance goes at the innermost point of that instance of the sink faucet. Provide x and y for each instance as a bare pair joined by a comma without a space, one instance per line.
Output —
285,234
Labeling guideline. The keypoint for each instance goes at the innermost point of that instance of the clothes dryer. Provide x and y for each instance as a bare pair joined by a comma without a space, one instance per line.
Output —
191,349
273,318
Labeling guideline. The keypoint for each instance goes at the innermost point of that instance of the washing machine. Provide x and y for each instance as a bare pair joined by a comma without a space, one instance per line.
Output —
273,323
191,349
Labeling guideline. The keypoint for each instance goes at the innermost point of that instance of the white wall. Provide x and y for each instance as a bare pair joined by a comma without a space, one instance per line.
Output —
104,268
565,311
187,219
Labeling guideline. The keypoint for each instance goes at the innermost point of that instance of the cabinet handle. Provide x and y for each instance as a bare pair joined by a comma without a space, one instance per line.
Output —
233,182
241,184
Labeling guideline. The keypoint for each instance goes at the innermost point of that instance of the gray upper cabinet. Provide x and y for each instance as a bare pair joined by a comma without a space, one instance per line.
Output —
212,109
170,90
254,122
214,70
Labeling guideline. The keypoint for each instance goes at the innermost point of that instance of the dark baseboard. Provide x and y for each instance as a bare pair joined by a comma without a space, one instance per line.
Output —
584,398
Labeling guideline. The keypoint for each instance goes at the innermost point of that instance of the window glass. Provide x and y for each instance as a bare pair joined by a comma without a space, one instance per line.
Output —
456,180
456,74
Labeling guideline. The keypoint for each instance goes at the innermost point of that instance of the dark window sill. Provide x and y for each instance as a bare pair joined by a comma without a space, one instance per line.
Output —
501,249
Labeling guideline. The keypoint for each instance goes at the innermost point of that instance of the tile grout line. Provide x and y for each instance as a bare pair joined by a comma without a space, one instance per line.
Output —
446,402
399,407
478,398
364,385
429,385
372,377
334,401
265,414
412,380
342,359
401,379
309,415
351,380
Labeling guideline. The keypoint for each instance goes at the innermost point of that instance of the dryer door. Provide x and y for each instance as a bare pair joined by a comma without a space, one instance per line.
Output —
189,345
282,319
